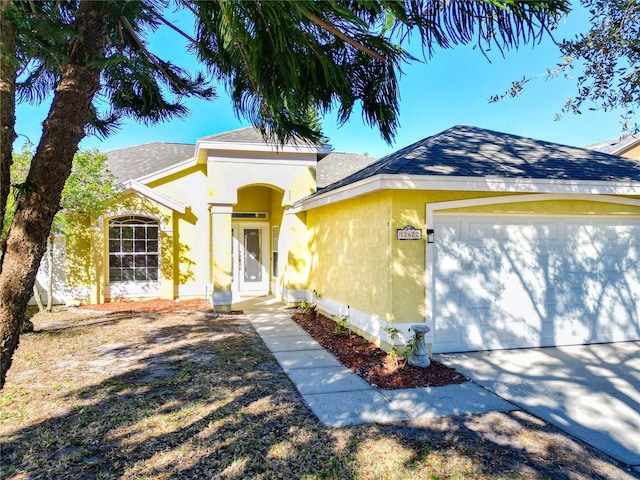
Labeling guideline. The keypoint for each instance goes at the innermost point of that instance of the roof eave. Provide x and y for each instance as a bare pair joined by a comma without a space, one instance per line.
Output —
165,172
262,147
481,184
135,187
625,148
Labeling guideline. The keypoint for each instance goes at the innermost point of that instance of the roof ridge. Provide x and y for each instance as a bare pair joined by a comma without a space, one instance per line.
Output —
227,132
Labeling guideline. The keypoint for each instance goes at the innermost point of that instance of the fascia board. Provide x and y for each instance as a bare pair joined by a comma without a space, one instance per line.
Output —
625,148
261,147
485,184
510,185
133,186
357,189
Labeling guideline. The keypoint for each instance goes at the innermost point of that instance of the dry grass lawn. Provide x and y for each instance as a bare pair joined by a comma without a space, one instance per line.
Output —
193,395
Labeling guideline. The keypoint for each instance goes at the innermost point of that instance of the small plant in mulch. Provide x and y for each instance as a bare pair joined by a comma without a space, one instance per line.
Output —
400,358
342,324
379,368
310,308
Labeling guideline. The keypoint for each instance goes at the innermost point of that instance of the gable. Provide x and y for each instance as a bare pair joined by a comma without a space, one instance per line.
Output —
152,161
240,135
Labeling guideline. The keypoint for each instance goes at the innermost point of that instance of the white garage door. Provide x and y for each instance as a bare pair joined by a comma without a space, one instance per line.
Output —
516,281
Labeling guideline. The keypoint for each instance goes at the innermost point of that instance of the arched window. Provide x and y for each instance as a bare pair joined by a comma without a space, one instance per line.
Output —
133,249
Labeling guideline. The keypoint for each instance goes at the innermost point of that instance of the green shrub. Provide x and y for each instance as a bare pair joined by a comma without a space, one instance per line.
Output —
342,324
396,354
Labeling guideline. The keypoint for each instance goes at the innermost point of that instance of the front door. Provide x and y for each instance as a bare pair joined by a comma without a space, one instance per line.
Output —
251,258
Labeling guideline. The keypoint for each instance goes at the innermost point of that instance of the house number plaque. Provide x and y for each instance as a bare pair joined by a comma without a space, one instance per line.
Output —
409,233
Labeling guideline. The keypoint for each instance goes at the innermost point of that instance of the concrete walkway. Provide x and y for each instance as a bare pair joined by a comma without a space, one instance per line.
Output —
338,396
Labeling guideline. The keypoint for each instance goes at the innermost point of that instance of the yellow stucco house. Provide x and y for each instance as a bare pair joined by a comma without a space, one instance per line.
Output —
493,240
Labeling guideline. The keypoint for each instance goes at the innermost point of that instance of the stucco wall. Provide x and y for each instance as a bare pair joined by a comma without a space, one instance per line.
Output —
555,207
276,220
354,258
253,199
349,247
230,171
632,152
295,256
190,241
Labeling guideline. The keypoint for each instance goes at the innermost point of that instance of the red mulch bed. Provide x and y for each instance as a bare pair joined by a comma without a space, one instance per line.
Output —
371,363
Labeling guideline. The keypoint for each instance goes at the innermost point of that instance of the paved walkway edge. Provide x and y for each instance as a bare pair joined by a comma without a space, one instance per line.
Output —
339,397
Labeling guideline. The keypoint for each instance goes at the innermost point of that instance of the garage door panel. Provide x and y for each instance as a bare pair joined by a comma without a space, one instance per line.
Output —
479,231
570,327
503,283
448,231
448,331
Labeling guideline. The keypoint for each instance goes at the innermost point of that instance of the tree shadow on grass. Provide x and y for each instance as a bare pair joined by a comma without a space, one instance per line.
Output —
210,398
202,397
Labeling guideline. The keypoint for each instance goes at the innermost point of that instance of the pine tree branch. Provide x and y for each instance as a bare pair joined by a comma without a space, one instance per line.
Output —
177,30
334,30
150,56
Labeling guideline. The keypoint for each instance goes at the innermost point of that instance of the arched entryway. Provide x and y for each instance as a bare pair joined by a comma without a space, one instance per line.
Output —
256,219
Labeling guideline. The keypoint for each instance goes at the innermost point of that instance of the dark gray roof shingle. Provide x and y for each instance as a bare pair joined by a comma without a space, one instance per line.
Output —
338,165
466,151
142,160
240,135
249,135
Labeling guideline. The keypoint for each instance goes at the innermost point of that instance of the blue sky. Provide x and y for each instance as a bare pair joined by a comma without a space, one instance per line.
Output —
453,87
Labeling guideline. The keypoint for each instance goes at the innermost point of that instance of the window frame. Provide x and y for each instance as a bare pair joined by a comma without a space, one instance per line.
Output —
275,237
133,254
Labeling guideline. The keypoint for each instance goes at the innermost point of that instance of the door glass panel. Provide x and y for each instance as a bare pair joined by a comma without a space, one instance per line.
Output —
252,255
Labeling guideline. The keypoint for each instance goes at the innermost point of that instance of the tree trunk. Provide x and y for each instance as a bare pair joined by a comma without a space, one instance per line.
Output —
8,68
50,274
62,131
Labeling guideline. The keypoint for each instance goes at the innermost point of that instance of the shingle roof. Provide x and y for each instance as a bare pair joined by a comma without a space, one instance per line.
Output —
248,135
466,151
241,135
141,160
338,165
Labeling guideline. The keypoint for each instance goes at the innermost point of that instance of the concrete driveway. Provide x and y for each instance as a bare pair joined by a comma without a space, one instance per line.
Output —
590,391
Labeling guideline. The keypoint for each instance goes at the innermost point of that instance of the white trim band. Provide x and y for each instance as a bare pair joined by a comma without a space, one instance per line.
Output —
484,184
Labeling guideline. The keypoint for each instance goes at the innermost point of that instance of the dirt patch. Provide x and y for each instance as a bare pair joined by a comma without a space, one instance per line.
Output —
153,305
371,363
